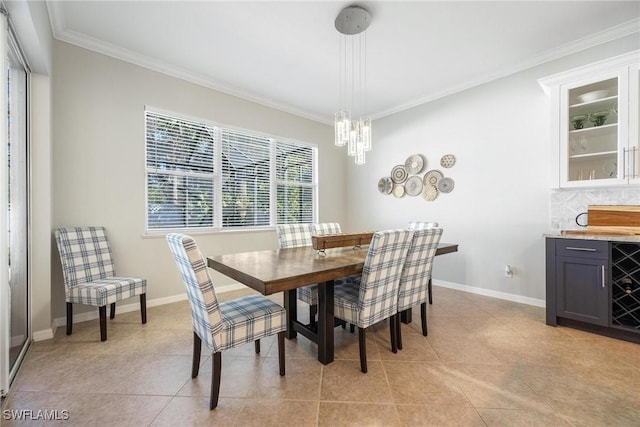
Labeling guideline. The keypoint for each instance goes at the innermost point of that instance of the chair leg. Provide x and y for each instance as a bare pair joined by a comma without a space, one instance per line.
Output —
313,310
429,290
112,310
103,322
362,340
257,343
393,332
423,317
352,328
281,352
195,363
399,332
216,359
69,318
143,307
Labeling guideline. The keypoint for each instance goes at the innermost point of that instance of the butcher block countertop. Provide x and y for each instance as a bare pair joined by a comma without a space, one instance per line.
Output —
585,235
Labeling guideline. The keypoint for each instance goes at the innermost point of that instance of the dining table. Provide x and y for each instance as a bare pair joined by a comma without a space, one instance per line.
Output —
285,270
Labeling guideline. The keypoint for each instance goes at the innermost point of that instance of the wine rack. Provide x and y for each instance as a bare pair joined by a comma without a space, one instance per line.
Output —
625,290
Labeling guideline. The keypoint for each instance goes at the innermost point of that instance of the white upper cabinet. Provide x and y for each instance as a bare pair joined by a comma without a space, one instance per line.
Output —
594,123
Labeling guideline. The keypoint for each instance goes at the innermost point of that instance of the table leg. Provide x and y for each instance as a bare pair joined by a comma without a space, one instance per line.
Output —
405,316
291,306
325,322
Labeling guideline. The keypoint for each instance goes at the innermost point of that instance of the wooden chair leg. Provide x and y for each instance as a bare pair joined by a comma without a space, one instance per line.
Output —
257,343
399,332
423,317
313,310
362,340
281,352
69,318
216,359
195,363
112,310
103,322
393,333
143,307
429,290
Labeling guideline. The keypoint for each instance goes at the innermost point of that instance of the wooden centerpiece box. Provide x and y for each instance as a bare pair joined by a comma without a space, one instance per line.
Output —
328,241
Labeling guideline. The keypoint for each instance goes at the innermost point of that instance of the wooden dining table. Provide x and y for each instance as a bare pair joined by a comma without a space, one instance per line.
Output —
285,270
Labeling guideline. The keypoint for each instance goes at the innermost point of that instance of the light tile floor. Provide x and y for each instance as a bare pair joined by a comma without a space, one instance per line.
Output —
485,362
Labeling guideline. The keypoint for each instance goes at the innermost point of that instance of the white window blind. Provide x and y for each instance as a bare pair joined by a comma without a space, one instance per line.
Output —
246,179
295,183
202,176
180,173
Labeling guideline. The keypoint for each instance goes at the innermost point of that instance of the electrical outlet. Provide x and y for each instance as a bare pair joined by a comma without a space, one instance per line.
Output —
508,271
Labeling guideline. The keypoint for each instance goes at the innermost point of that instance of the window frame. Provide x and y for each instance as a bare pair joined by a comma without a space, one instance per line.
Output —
217,176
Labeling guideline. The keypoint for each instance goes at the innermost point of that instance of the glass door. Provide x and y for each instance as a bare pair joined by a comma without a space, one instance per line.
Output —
17,331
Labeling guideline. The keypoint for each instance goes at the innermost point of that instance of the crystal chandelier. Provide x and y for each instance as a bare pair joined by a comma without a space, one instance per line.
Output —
351,23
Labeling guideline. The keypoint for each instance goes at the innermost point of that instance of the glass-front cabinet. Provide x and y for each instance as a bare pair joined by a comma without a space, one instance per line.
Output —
595,124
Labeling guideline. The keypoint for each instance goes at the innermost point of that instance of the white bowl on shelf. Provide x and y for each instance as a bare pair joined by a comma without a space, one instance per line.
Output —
593,96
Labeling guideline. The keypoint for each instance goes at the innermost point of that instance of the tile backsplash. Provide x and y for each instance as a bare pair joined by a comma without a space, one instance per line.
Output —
566,204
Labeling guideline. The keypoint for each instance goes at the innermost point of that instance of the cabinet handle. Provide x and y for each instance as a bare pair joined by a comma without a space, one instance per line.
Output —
603,280
633,157
572,248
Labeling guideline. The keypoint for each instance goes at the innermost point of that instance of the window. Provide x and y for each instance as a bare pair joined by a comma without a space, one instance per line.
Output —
204,176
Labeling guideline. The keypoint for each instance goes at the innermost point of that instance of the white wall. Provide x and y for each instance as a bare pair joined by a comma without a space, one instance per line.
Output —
499,209
98,160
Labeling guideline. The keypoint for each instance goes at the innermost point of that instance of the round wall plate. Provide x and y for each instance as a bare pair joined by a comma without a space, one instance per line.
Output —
447,161
445,185
414,164
413,186
429,192
385,185
398,190
432,177
399,174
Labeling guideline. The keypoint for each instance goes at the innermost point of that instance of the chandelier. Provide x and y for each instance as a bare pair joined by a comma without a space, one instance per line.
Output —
351,23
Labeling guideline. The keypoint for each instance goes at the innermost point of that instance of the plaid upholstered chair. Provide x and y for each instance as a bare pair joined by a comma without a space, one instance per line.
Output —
417,225
376,298
416,275
222,325
90,277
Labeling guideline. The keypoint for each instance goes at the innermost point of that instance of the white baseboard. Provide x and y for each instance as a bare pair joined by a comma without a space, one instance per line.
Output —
487,292
91,315
134,306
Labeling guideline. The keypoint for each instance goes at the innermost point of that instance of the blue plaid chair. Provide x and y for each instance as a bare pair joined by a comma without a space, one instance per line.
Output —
90,277
416,275
222,325
376,298
417,225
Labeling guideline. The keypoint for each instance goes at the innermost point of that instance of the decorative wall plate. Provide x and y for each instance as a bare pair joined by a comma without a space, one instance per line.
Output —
445,185
429,192
398,190
399,174
447,161
385,185
413,186
432,177
414,164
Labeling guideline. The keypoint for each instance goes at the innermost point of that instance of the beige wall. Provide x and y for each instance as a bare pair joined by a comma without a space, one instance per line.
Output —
98,160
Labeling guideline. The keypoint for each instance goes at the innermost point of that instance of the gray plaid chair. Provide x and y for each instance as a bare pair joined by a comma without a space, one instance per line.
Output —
222,325
416,275
90,276
376,298
417,225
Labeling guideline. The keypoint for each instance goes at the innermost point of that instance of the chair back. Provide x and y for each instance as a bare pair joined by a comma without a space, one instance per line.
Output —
85,255
378,298
293,235
417,225
323,228
205,310
417,268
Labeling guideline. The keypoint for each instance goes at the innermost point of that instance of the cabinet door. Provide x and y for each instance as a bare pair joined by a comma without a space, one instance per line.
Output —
594,130
581,292
633,151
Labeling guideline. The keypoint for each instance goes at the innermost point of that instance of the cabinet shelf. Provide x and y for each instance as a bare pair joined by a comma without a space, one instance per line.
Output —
598,105
593,155
595,130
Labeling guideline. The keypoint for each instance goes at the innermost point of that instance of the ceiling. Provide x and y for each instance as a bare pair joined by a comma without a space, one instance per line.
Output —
286,54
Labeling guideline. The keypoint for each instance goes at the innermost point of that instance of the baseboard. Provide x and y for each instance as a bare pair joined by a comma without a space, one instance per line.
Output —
489,293
91,315
125,308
